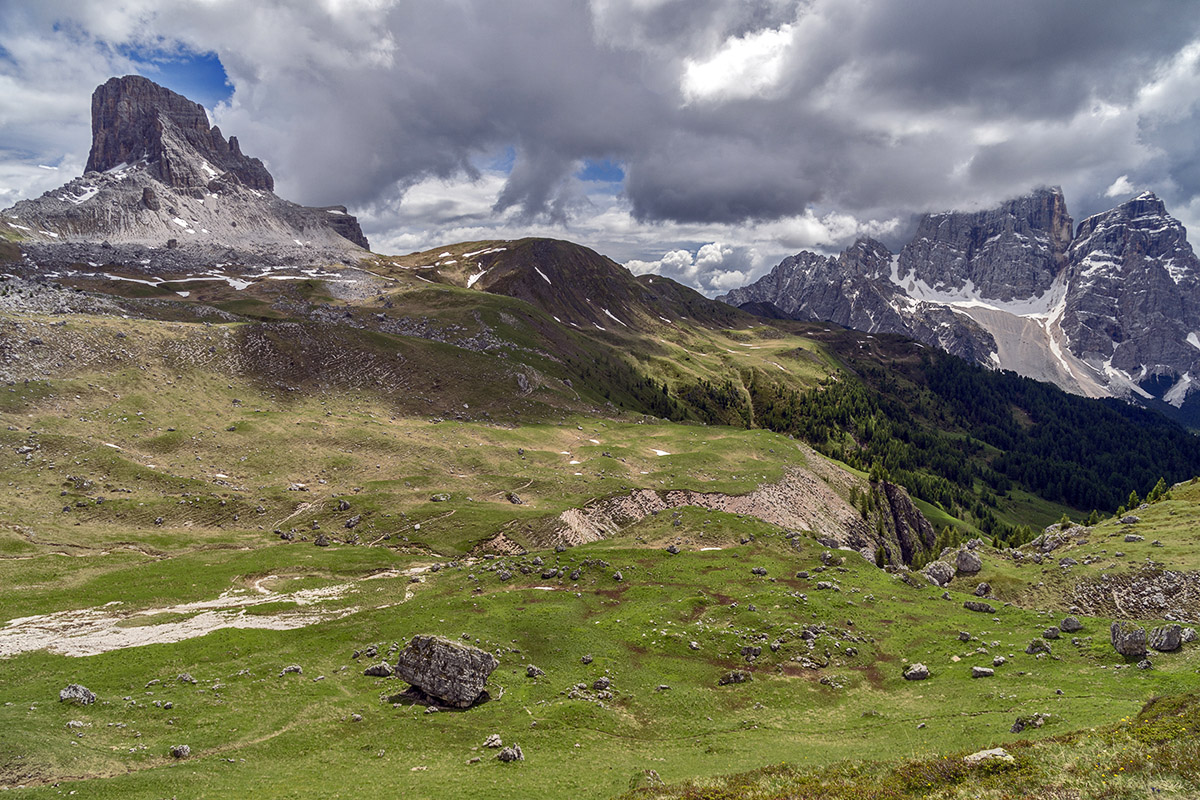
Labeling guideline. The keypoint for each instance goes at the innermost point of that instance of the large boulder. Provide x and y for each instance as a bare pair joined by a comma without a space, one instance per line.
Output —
938,573
968,562
1167,639
450,671
1128,639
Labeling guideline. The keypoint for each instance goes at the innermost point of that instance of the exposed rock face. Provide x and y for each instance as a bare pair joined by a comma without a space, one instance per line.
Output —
1127,639
159,172
450,671
1112,311
1007,253
135,119
1134,295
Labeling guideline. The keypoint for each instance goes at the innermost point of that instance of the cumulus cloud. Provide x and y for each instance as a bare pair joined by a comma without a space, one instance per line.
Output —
766,125
1119,188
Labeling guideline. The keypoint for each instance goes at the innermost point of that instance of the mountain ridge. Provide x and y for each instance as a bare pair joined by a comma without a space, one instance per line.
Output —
1110,309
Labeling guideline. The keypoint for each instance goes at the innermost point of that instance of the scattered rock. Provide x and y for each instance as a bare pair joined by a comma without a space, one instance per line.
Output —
1188,635
1067,561
916,672
983,589
450,671
181,751
380,670
758,571
673,550
1038,646
1166,639
735,676
1051,633
186,677
1144,664
982,672
353,521
534,672
587,659
515,499
493,741
1128,639
979,606
999,661
618,577
77,694
1070,625
963,636
938,573
968,562
1133,537
1130,519
441,497
292,669
985,756
511,754
601,683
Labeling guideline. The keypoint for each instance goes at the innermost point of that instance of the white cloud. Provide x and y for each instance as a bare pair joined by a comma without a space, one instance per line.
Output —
744,66
1121,187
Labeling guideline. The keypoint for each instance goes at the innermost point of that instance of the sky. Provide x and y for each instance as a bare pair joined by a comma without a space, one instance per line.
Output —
704,140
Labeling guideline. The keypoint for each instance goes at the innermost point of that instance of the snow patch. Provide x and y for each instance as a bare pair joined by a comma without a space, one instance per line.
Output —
609,314
471,281
1179,392
183,223
539,272
1193,340
658,452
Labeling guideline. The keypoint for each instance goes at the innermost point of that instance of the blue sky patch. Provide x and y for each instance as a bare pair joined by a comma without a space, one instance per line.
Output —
602,171
197,76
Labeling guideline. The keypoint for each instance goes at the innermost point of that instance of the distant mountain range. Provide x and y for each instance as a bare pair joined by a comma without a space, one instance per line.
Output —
1109,309
164,189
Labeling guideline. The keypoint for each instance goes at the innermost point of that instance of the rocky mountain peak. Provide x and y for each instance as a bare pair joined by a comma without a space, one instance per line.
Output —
135,119
1014,250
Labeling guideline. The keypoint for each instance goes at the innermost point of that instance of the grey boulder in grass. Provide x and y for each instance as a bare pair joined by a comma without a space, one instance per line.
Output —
450,671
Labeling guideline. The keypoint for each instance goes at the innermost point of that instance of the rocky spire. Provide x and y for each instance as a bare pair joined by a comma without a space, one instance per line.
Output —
134,118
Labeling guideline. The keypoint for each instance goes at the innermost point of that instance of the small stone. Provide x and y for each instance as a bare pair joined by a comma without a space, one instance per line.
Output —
1038,646
963,636
587,659
982,672
493,741
1133,537
983,589
601,683
735,676
380,670
998,660
1050,633
292,669
916,672
534,672
181,751
979,606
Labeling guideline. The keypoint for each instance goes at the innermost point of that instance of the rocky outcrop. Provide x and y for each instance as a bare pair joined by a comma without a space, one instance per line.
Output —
451,672
805,499
1112,311
158,174
134,119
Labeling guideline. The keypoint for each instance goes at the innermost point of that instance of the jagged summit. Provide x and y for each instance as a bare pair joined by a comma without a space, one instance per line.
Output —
1112,309
163,189
135,119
